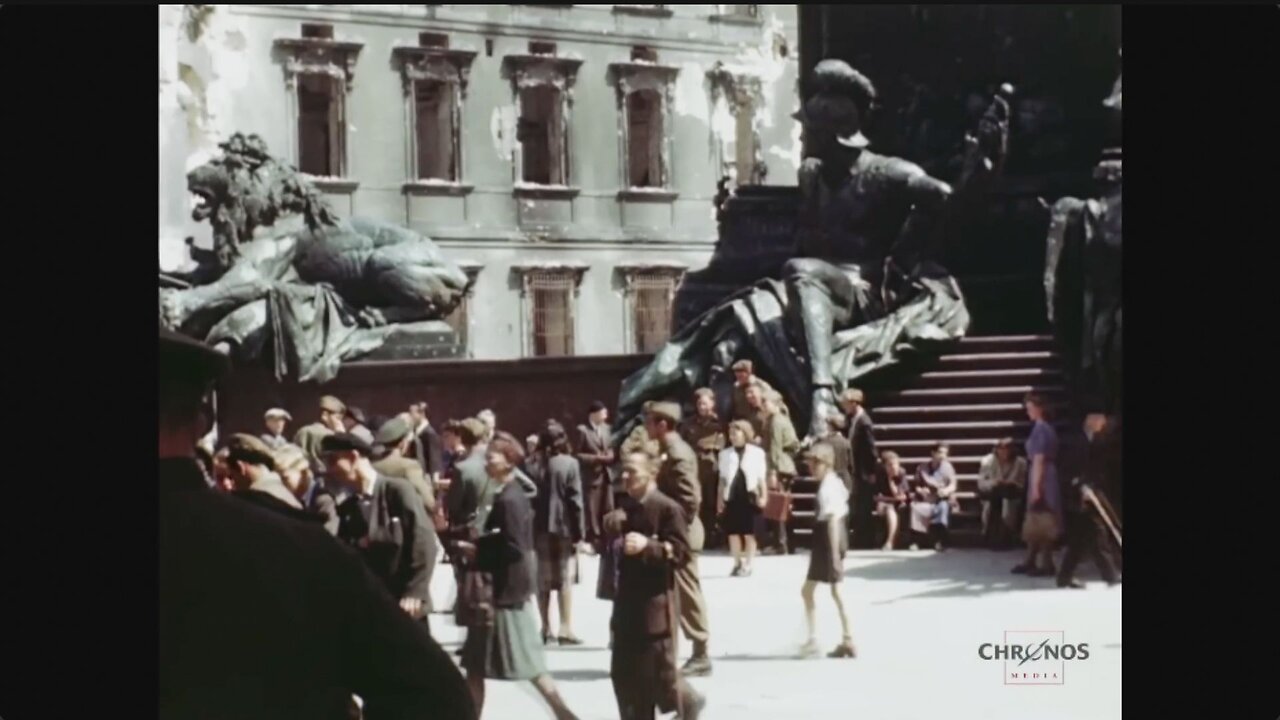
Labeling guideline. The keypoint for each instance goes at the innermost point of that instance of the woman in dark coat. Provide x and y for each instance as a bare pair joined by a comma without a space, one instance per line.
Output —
558,528
508,649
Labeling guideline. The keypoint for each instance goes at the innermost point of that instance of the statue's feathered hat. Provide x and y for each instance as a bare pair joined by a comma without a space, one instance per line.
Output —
840,102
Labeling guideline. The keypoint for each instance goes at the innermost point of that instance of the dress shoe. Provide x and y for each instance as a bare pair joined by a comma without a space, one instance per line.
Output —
694,705
1072,583
736,572
843,650
1114,582
698,666
569,640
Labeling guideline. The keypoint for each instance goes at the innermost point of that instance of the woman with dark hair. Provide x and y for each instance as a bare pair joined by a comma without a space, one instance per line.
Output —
1044,502
1002,482
507,647
744,481
558,528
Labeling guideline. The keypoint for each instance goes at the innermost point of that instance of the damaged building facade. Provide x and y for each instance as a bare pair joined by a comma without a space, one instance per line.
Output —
567,156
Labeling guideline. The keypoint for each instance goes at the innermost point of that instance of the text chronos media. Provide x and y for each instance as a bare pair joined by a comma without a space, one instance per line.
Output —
1033,652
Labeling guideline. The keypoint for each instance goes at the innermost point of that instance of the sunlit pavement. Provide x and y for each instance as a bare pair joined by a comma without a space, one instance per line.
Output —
918,621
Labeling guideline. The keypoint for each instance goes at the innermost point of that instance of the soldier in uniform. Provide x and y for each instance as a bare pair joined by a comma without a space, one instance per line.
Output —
678,480
655,543
396,437
705,433
223,657
744,377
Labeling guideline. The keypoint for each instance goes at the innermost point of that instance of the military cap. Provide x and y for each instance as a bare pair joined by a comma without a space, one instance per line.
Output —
742,365
344,442
392,432
668,410
278,413
329,403
247,448
187,359
822,452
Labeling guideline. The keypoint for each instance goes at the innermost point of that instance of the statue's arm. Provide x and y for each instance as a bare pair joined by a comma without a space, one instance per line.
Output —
928,197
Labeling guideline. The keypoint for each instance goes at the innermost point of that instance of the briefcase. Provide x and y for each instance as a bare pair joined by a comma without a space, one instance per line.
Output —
777,506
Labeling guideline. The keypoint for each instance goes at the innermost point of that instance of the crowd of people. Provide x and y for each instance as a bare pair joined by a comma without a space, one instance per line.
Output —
512,518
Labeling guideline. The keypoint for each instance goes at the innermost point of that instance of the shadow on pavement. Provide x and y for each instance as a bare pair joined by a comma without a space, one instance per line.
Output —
584,675
966,572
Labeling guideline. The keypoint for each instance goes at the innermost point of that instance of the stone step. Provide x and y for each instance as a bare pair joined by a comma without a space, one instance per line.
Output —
997,361
984,378
959,446
952,430
1006,343
918,414
967,396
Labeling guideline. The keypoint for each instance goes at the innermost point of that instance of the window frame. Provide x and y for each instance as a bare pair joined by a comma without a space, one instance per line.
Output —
629,78
560,74
336,59
528,276
739,92
453,69
630,317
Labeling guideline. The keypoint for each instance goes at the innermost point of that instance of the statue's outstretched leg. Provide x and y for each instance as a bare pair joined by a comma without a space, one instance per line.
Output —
820,297
179,307
243,328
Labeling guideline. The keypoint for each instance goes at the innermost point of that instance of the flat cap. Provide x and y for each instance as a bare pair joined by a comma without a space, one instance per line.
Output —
329,403
822,452
187,359
742,365
278,413
345,442
247,448
668,410
392,431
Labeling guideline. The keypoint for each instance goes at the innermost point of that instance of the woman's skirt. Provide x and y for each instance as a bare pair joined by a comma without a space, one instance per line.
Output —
557,562
509,650
826,561
740,516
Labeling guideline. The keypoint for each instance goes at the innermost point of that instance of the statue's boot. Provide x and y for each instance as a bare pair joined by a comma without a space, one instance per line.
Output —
814,314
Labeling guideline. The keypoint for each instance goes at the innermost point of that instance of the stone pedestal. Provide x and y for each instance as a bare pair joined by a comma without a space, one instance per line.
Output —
429,340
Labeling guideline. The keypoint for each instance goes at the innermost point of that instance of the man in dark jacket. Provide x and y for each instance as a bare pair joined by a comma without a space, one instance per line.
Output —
862,441
383,518
221,657
596,455
428,449
1090,516
655,544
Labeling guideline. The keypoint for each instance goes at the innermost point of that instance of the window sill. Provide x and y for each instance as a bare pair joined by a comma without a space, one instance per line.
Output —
546,192
333,185
736,20
437,187
643,10
656,195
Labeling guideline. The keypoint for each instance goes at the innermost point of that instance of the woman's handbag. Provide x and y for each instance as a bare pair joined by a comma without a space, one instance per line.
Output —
475,598
607,582
1040,528
777,506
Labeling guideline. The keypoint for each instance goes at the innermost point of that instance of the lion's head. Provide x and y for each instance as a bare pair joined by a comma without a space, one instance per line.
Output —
246,189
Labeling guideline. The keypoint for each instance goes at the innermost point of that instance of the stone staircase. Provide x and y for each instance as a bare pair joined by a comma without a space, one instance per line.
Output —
970,396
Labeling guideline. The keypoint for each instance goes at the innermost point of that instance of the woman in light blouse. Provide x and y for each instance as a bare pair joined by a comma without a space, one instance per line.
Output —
830,541
744,486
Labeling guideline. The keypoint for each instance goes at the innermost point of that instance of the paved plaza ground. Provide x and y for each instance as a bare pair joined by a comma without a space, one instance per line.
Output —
918,621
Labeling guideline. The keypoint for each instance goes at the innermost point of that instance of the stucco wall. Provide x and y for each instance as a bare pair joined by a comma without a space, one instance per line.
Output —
236,82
